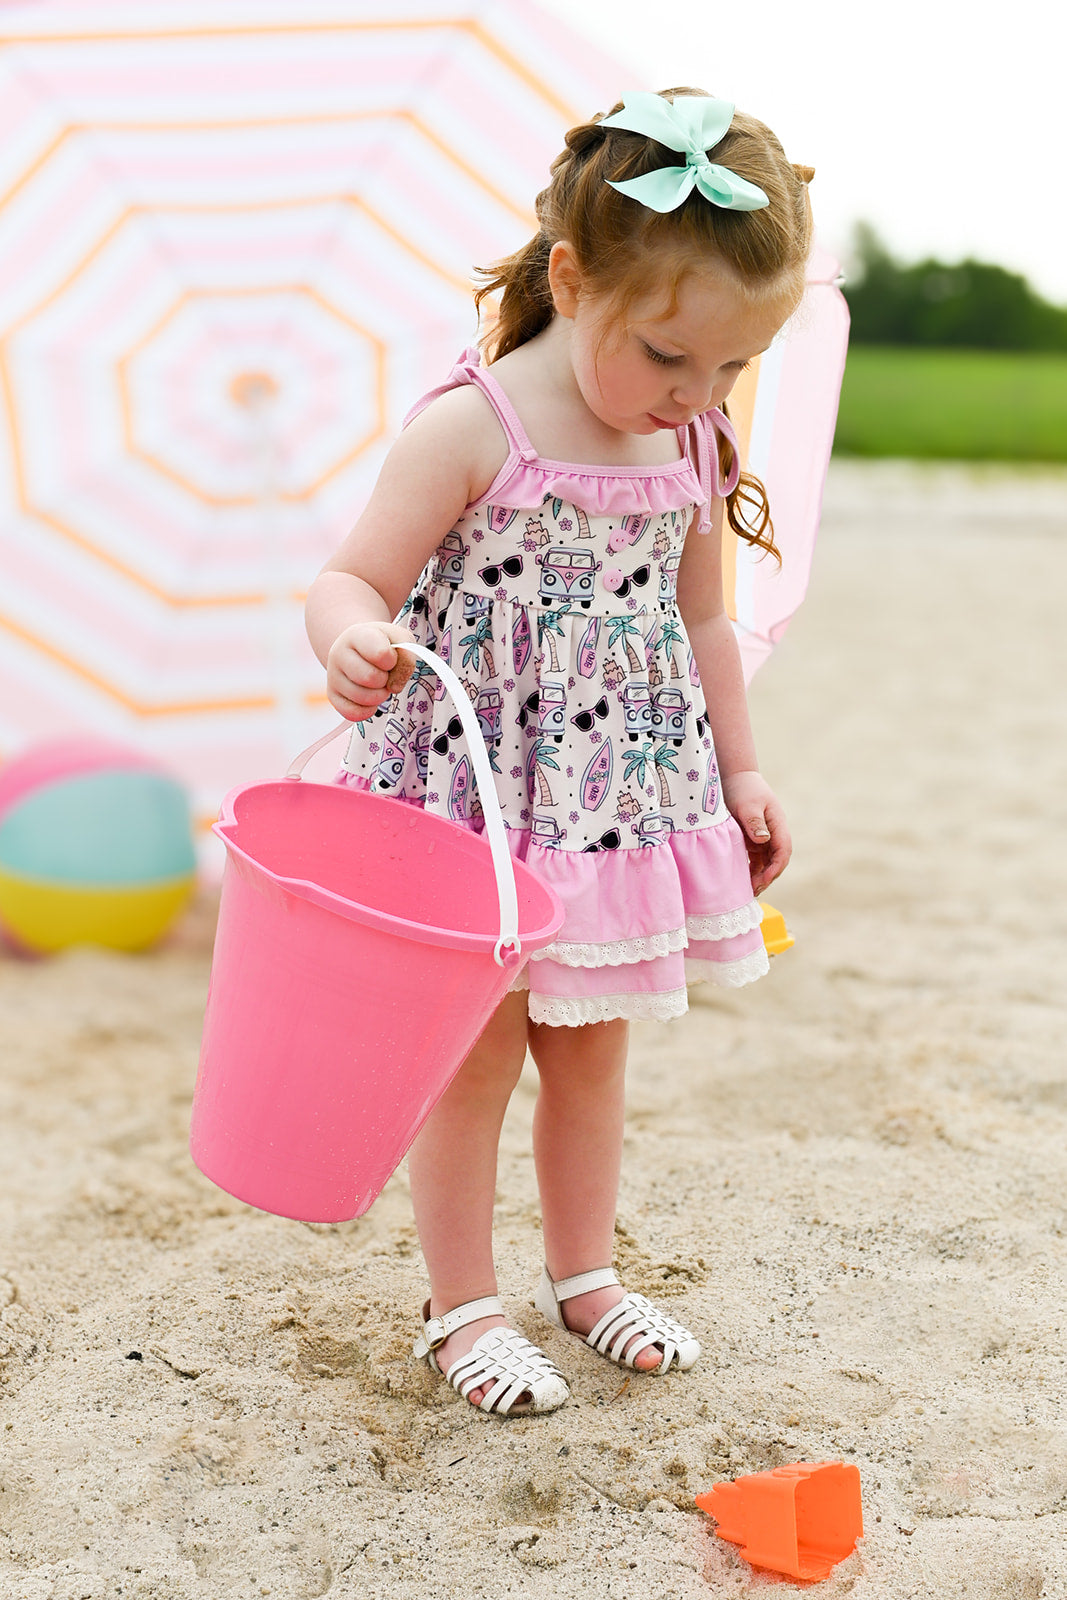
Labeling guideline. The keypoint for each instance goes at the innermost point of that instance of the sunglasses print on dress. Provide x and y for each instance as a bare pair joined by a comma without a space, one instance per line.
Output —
584,719
607,841
528,708
453,731
638,579
491,575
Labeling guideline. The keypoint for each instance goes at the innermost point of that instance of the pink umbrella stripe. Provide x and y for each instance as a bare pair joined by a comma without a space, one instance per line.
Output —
232,251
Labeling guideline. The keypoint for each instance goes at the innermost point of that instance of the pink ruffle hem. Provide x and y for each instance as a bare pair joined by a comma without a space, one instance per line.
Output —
639,924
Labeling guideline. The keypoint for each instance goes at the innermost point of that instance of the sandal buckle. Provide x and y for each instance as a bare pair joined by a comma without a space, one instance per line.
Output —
434,1333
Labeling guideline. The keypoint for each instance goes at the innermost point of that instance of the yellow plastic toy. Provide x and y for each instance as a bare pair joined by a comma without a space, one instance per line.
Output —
776,936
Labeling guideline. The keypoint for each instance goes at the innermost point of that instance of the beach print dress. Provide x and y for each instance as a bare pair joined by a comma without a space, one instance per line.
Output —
554,600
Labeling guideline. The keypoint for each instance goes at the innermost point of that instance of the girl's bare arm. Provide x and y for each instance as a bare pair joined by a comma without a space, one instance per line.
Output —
442,461
747,794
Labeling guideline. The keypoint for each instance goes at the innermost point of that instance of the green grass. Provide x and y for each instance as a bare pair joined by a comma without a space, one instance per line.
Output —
961,405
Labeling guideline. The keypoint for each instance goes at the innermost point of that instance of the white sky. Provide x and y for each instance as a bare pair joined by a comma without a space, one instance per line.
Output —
939,121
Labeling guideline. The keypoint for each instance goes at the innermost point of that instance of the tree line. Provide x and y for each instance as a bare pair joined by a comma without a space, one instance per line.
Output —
971,303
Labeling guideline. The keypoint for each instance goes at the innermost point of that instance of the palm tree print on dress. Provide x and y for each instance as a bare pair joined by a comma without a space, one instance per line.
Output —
548,623
663,756
625,628
542,754
637,761
476,646
670,637
583,530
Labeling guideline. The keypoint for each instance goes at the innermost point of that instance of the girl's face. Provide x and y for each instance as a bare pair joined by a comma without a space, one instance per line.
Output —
659,368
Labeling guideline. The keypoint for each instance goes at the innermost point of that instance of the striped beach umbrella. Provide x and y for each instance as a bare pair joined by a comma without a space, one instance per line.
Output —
784,408
236,243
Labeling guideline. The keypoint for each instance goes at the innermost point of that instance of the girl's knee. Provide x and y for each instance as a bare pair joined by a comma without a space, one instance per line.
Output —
494,1064
593,1053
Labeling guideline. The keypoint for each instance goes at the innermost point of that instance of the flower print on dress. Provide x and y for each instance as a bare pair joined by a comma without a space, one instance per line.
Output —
537,535
613,674
540,667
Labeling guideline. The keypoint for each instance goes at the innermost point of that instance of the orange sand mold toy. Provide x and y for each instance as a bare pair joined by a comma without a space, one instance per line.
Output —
801,1519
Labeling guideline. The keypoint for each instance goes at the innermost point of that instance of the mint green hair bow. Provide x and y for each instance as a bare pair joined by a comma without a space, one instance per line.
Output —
693,124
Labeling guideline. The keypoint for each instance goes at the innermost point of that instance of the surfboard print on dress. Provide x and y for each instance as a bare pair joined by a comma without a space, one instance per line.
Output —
521,641
596,779
459,795
500,518
634,527
444,650
711,788
587,656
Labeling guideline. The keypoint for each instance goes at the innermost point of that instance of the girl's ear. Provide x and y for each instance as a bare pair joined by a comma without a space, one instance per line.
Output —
564,278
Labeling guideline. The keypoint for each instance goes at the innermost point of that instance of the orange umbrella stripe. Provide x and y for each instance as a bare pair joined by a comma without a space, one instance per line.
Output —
460,24
143,708
106,238
240,124
377,432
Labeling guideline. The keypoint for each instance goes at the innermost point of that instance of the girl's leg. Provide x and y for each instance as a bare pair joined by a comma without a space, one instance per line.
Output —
452,1166
578,1126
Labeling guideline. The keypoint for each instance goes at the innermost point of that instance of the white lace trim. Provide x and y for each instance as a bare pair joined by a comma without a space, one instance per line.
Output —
652,946
614,952
727,925
559,1012
729,974
574,1011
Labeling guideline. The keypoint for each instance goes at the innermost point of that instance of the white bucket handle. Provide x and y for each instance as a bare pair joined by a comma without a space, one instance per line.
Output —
507,894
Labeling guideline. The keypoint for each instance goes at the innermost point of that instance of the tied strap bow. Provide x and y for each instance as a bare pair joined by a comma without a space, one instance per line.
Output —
712,426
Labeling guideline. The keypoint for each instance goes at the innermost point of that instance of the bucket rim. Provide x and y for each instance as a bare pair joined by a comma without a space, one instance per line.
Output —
370,916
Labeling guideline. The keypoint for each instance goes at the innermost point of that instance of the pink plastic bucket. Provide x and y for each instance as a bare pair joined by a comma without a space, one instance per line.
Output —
362,946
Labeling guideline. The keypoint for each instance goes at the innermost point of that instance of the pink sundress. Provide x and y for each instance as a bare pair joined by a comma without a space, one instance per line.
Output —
554,599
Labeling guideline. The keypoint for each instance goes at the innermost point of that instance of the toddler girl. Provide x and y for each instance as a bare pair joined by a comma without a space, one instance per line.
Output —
550,522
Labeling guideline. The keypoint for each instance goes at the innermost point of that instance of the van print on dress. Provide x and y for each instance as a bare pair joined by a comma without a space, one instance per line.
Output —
568,575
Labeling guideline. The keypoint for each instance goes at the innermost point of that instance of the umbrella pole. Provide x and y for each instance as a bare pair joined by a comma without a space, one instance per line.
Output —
259,398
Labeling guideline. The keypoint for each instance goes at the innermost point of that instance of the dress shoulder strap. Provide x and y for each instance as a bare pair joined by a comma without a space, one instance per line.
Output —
707,430
469,369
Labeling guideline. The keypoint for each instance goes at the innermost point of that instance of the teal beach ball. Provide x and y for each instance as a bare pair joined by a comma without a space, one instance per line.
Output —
96,847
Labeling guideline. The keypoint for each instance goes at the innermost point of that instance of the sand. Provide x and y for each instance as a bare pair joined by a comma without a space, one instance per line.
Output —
851,1179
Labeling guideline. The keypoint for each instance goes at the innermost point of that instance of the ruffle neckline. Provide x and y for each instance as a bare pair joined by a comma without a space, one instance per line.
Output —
530,483
528,479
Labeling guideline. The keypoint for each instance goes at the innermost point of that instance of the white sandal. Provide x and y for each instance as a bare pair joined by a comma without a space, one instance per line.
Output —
501,1358
634,1318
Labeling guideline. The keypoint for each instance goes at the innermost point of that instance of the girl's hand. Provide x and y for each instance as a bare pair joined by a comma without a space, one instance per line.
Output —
755,807
363,669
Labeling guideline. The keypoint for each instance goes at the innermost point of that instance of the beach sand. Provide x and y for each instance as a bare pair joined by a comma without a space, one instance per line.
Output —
850,1180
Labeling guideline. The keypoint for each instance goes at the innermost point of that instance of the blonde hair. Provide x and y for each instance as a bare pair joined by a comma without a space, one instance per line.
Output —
624,249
